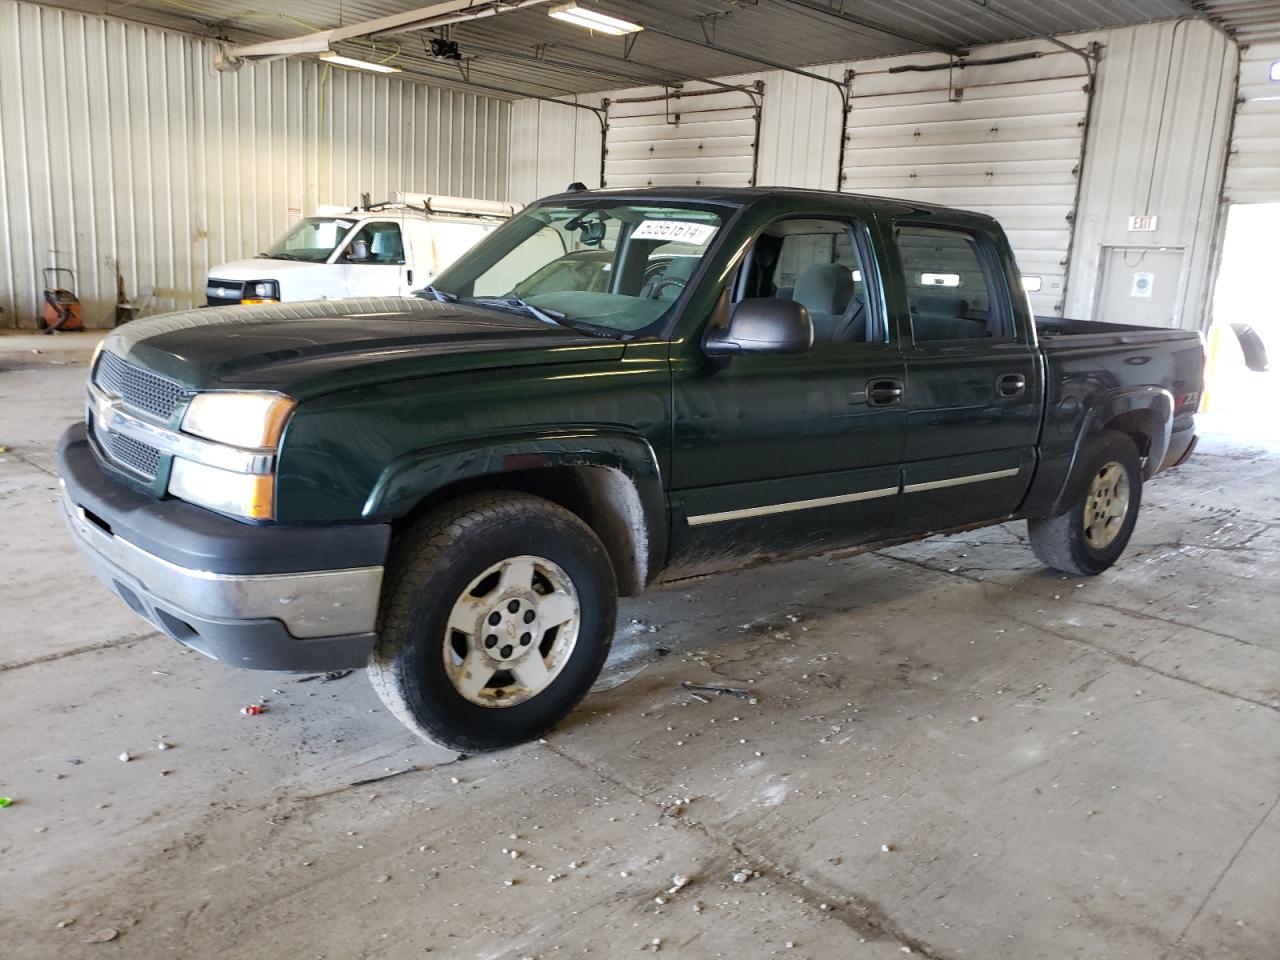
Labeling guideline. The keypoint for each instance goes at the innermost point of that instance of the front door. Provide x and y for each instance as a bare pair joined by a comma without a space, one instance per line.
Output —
973,381
778,454
374,260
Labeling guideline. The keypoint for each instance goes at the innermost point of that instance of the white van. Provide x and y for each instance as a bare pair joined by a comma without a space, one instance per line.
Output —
374,250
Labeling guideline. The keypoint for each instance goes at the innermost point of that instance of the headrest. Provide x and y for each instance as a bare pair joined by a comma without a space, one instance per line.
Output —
824,287
955,307
679,268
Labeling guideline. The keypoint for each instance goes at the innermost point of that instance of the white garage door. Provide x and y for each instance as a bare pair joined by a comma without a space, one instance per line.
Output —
1002,138
1253,173
700,135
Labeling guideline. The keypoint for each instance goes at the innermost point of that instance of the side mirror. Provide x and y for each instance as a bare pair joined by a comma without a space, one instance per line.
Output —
358,252
763,325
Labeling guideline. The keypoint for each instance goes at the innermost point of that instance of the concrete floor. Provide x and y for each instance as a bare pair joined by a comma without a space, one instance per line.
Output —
954,754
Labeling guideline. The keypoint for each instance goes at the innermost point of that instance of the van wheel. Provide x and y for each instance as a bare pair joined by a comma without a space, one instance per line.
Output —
1092,533
497,614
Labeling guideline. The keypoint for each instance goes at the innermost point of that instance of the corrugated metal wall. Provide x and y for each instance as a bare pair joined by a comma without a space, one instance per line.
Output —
123,153
1253,171
551,147
1156,145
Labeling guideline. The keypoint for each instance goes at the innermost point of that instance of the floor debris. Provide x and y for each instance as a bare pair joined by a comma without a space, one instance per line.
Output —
105,935
740,692
386,776
326,677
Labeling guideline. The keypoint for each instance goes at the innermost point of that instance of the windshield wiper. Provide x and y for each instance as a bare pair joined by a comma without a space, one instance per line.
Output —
553,317
442,296
281,256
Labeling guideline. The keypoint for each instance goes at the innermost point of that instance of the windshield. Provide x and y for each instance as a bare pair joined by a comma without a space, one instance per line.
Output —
312,239
614,266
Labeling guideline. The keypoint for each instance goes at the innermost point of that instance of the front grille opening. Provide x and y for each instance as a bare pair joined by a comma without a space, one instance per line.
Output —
141,458
131,598
178,629
97,521
137,388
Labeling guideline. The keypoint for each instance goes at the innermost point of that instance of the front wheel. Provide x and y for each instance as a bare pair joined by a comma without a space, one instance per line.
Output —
496,618
1089,536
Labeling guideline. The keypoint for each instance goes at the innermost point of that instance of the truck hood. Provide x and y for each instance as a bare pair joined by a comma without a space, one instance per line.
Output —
261,268
305,349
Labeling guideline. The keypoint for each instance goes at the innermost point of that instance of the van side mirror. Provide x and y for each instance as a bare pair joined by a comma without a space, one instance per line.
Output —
763,325
358,252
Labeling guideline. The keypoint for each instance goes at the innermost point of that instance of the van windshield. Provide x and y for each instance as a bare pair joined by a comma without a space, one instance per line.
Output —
312,239
614,266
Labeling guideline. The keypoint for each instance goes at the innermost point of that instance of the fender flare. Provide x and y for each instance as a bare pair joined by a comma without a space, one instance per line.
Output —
410,478
1155,403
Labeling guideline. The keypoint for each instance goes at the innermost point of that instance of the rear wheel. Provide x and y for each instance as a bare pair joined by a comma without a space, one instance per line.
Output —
1089,536
496,618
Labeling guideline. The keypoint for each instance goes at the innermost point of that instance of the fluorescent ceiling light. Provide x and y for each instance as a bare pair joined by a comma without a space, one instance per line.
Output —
592,19
330,57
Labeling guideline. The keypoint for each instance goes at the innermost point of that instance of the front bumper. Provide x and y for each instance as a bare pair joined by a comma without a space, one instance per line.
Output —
230,590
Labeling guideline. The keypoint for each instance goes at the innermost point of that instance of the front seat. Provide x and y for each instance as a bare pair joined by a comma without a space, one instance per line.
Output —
825,289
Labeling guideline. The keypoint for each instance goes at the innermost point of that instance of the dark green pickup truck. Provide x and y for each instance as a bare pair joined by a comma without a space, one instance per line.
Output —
612,390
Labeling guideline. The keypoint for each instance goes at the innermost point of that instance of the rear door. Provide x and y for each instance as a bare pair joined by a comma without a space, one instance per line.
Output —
783,453
973,376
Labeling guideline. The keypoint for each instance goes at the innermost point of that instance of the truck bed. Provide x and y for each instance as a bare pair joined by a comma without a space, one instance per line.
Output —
1053,331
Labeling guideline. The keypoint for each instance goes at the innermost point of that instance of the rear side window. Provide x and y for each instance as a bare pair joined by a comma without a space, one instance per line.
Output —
949,286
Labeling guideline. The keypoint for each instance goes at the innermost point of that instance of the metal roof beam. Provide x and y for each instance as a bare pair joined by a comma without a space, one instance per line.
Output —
437,14
839,13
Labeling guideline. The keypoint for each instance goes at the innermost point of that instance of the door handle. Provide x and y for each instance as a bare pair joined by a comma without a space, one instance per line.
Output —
1011,385
884,392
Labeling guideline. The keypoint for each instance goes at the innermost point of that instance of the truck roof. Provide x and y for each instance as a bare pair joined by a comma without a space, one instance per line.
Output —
742,196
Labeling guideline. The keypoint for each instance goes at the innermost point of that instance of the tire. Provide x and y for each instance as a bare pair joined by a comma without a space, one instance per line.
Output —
430,662
1089,536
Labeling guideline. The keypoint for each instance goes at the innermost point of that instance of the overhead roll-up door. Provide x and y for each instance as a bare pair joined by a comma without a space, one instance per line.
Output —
699,135
1253,172
1002,137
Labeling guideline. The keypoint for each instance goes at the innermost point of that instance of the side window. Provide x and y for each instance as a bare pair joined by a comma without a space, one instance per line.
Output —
816,263
377,243
949,286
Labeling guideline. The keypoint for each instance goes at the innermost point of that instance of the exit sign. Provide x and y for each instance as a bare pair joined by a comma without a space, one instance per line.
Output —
1145,223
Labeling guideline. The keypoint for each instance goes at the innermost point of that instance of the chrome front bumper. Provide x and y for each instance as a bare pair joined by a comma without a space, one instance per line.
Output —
322,620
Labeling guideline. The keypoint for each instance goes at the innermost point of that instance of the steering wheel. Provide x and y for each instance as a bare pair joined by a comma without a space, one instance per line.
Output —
661,282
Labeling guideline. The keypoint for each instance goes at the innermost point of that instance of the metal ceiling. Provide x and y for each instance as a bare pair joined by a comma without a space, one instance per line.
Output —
528,53
1249,21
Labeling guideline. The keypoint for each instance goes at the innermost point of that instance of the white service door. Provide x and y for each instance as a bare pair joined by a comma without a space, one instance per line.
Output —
1004,139
700,136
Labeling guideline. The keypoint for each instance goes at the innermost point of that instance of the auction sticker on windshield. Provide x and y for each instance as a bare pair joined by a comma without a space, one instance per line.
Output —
681,231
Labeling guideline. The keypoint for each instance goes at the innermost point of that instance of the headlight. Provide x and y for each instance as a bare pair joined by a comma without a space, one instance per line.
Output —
249,495
261,291
242,419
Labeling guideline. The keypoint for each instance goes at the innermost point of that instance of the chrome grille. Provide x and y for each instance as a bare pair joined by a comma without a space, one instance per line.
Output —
221,293
136,387
131,454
